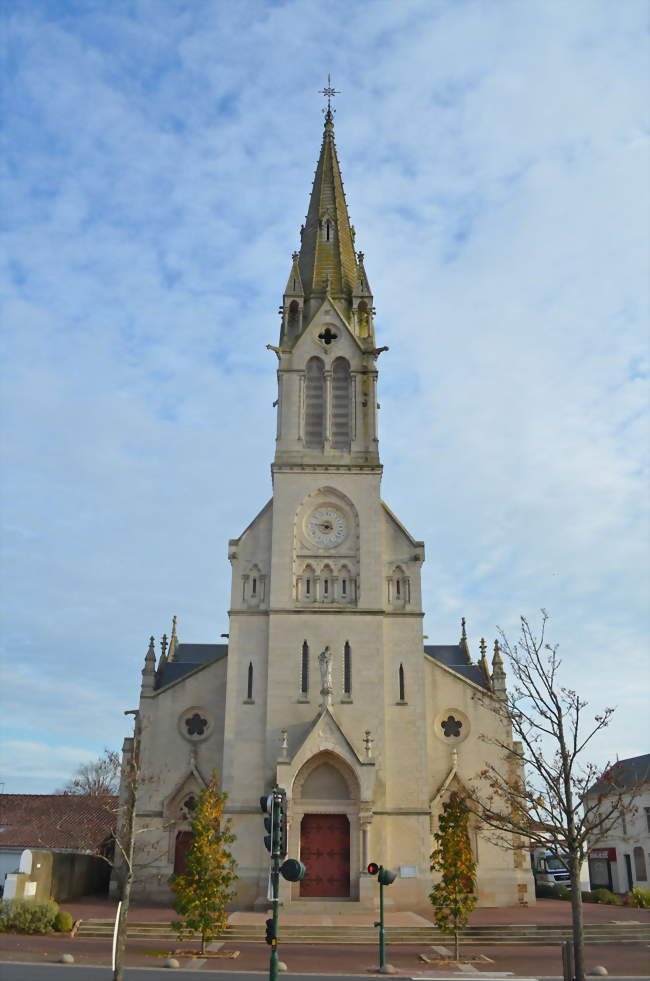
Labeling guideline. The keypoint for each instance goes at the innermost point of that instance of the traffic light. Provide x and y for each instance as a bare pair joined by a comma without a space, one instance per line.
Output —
270,932
267,805
274,805
385,876
281,823
292,870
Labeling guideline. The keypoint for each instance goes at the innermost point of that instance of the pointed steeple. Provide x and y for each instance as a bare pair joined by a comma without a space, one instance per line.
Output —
149,669
463,642
483,662
498,674
327,264
173,641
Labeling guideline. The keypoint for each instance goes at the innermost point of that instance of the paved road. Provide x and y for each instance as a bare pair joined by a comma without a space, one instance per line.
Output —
63,972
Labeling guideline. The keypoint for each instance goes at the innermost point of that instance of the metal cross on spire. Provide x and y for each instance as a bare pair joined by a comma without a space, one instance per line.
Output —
329,91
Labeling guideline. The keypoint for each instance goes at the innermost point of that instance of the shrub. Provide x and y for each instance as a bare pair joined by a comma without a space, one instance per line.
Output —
63,922
544,890
28,916
561,892
604,896
639,897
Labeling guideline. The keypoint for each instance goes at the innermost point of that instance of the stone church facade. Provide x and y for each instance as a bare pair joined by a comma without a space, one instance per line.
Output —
325,686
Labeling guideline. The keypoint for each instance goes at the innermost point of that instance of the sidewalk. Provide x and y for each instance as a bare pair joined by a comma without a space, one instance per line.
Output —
620,959
545,911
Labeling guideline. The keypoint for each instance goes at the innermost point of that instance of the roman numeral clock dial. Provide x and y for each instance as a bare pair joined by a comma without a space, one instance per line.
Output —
326,527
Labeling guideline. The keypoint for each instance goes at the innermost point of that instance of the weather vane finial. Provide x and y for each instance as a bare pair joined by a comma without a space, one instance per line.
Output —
329,91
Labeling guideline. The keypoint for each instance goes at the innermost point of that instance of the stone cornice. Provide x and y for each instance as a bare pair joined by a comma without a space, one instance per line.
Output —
327,468
301,611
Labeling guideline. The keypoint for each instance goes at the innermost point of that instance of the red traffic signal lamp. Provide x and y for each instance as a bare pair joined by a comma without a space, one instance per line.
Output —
385,876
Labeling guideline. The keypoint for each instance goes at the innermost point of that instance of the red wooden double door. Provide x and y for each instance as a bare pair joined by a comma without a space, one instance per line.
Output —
325,851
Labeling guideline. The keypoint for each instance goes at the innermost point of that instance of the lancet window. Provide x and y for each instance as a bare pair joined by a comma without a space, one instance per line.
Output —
401,683
304,670
347,669
399,588
293,318
314,404
341,405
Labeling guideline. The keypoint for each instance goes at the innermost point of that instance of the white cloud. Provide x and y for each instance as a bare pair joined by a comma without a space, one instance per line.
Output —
495,160
33,761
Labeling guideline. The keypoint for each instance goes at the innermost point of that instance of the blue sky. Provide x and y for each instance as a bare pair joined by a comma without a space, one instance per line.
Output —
157,165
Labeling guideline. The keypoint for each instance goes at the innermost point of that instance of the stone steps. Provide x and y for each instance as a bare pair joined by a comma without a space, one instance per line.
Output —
357,934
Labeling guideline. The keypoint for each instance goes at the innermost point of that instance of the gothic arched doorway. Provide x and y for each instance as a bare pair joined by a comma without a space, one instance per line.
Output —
325,850
326,816
183,842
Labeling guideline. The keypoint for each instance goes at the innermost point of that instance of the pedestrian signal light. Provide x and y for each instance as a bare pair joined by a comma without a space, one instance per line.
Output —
386,876
293,870
270,932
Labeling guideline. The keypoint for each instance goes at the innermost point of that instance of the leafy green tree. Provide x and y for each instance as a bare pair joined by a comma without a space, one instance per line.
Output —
453,897
204,889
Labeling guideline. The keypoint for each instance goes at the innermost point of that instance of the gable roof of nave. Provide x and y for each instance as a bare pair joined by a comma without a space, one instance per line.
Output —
189,658
453,658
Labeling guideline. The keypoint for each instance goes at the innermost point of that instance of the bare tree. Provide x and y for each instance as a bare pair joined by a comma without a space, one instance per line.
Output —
124,848
538,792
99,778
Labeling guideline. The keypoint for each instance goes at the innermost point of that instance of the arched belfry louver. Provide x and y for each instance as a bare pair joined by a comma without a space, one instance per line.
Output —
341,405
314,404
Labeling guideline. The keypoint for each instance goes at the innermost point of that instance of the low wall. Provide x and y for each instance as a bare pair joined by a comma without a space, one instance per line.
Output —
62,875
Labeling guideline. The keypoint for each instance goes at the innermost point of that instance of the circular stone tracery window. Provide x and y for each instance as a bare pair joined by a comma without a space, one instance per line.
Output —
195,724
451,726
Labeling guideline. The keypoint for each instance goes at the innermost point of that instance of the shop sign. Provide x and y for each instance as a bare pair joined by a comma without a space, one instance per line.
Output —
608,853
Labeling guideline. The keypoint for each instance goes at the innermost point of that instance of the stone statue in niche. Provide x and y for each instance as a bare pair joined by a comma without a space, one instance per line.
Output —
325,665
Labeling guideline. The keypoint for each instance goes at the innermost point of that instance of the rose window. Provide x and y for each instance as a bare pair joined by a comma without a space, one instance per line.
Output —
196,725
189,804
451,726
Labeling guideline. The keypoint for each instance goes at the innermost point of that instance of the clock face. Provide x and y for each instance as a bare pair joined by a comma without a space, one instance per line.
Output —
326,527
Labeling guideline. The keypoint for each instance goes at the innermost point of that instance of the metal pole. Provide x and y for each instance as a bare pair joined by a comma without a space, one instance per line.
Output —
275,883
382,958
567,960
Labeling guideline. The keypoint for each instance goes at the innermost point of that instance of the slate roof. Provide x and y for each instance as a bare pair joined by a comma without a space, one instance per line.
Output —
78,822
624,773
453,656
187,658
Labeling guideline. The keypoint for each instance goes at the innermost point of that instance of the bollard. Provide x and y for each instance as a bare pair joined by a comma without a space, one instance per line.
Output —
567,960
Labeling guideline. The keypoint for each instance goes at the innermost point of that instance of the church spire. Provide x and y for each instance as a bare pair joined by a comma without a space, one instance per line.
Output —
327,264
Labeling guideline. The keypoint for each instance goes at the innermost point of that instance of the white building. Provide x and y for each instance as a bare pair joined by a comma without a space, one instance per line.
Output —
325,686
620,860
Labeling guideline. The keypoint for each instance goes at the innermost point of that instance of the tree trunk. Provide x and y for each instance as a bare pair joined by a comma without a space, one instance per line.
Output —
127,841
120,941
576,916
456,944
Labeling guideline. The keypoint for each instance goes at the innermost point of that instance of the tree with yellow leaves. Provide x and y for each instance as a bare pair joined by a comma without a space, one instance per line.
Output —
204,889
453,897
